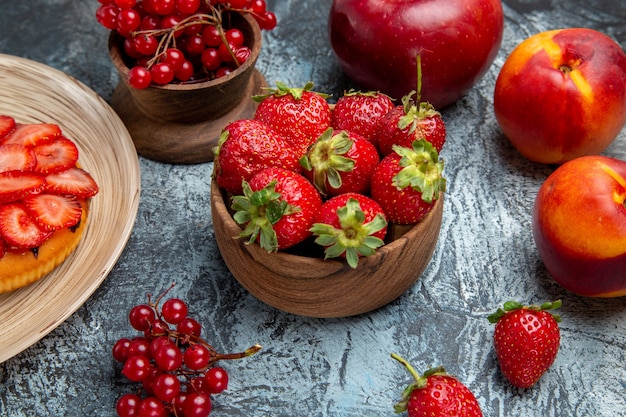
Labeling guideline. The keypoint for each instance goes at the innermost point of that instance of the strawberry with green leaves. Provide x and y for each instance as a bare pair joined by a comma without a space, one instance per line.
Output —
350,225
408,181
277,208
436,394
299,114
340,162
409,122
526,340
245,147
360,112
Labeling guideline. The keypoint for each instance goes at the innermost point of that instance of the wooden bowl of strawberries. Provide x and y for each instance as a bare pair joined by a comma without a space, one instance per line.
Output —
311,218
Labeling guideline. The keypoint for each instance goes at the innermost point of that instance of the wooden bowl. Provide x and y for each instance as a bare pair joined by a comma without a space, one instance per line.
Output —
314,287
181,122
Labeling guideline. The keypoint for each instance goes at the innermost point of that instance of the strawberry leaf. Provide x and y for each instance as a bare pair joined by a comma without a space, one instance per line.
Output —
421,169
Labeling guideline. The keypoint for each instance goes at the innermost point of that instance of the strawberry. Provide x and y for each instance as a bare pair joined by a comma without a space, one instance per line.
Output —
436,394
14,157
246,147
18,229
526,340
299,114
278,207
407,182
350,225
55,155
53,212
32,134
15,185
7,124
360,112
341,162
408,122
73,181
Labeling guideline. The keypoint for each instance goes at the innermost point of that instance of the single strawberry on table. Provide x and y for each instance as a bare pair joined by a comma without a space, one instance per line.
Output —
277,208
436,394
360,112
408,181
350,225
340,162
246,147
299,114
526,340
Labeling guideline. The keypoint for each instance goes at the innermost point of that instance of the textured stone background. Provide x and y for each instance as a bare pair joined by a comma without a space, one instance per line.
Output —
339,367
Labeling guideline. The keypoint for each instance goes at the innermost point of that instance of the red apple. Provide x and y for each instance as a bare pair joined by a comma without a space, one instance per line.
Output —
377,42
561,94
579,226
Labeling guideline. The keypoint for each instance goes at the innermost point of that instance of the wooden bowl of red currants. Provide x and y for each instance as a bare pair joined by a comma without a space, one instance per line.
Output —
178,120
305,284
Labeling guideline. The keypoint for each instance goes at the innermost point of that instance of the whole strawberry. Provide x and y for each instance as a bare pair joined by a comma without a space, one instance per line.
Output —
526,340
340,162
360,112
436,394
350,225
278,207
299,114
246,147
408,122
407,182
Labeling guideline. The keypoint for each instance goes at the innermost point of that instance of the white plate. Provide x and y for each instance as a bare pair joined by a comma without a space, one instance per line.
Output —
32,92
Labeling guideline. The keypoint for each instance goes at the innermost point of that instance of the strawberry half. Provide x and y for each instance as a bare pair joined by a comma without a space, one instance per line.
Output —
15,185
7,124
54,212
14,157
32,134
55,155
18,229
75,181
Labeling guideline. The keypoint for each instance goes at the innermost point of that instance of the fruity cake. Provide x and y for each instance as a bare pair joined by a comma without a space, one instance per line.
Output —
44,200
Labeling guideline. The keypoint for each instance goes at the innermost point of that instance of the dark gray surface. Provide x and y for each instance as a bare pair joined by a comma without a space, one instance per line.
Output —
339,367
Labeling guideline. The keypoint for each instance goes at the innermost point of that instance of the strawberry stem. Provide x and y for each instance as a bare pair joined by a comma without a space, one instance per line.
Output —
515,305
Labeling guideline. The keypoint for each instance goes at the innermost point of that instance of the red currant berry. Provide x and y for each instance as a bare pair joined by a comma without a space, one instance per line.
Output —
174,310
129,48
158,328
120,349
196,357
128,20
139,77
141,317
216,380
148,381
187,6
165,387
172,21
197,405
136,368
160,7
239,4
235,37
125,4
211,36
146,45
185,72
150,22
242,54
258,6
194,45
223,71
189,326
139,346
128,405
106,15
161,73
267,21
210,59
177,403
152,407
226,52
168,357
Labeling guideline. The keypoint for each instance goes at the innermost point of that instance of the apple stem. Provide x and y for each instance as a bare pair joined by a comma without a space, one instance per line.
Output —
419,78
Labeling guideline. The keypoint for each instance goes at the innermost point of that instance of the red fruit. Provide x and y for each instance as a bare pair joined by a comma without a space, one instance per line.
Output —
53,212
360,112
15,185
340,163
409,122
526,340
407,182
7,124
55,155
299,114
74,181
247,147
278,207
32,134
14,157
350,225
436,394
18,229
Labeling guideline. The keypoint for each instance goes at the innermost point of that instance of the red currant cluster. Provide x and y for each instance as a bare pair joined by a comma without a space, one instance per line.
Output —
175,366
180,40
